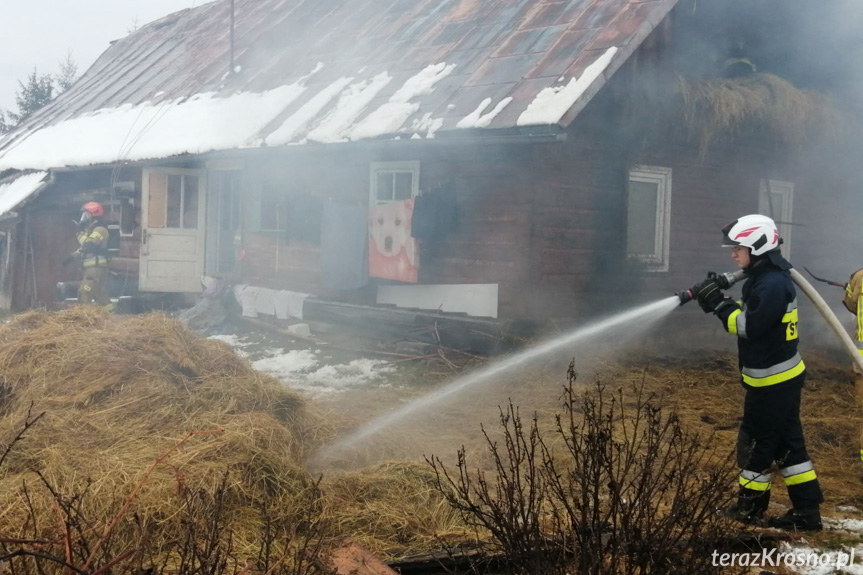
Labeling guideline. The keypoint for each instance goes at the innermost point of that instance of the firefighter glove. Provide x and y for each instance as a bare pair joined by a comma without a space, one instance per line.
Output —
709,295
68,260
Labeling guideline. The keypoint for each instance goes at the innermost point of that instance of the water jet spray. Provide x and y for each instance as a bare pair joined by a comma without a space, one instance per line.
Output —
636,316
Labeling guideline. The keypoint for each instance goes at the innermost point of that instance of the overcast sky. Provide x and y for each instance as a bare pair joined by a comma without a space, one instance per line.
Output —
41,32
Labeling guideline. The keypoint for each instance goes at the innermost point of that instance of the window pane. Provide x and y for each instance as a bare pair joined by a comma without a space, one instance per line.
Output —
404,185
269,214
776,207
274,208
127,217
384,190
641,218
156,200
190,202
175,198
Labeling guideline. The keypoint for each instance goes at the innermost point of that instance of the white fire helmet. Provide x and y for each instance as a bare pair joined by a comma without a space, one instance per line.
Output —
756,232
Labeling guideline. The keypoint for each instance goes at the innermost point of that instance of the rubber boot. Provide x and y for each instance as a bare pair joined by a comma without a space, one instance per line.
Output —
750,507
804,519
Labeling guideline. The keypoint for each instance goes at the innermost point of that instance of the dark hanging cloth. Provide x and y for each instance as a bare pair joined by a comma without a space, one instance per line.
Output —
447,212
424,218
344,246
435,213
304,219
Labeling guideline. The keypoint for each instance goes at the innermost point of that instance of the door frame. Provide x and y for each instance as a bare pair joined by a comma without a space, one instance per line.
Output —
147,232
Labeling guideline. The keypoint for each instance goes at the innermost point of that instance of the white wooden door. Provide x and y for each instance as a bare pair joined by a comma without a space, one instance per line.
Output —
173,213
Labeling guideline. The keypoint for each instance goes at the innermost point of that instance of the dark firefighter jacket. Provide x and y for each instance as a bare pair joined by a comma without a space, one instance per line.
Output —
765,323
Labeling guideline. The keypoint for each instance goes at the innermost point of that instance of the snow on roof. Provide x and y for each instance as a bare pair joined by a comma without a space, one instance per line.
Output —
553,102
14,192
379,69
390,117
196,125
290,128
352,102
477,119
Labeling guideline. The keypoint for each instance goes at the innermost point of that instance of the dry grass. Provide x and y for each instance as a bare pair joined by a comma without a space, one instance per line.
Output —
707,395
394,509
723,109
120,392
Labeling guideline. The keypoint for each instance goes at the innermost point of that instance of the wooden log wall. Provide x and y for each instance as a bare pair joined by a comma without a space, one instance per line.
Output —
547,221
544,221
490,245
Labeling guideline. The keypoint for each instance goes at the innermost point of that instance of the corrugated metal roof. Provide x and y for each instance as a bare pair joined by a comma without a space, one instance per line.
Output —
350,69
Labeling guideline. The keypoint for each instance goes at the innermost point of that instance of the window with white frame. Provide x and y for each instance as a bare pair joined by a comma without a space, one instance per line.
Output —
173,199
648,216
393,182
776,200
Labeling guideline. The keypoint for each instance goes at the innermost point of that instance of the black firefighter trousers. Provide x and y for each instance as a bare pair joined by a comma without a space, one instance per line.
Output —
771,432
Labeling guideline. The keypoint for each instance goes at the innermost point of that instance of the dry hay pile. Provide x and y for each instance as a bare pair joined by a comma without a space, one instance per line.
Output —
723,108
118,394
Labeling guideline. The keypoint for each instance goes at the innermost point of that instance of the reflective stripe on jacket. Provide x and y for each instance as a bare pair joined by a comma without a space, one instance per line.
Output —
765,323
94,247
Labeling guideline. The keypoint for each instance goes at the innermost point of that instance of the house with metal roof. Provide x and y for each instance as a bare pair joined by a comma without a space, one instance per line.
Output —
499,158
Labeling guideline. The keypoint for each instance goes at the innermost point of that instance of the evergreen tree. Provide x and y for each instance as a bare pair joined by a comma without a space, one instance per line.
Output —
68,73
31,96
38,90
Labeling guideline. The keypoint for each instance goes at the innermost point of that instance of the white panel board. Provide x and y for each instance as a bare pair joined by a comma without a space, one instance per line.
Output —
478,300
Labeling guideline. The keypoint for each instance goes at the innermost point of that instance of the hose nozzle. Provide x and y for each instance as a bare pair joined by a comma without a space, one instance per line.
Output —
685,296
724,281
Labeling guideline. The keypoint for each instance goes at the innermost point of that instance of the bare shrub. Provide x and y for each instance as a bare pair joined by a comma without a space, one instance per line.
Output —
199,537
618,487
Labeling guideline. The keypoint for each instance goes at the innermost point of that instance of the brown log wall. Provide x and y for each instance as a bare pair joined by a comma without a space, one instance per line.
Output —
547,221
544,221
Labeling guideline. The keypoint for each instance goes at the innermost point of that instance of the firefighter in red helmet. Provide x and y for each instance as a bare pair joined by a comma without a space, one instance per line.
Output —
92,254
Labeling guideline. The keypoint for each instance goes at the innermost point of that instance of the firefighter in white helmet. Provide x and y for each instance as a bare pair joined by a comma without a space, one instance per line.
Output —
772,372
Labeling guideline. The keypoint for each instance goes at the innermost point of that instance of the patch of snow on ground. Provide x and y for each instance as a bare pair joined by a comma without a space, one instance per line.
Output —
304,371
853,525
286,365
232,340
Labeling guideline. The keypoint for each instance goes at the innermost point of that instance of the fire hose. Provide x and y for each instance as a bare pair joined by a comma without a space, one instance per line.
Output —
726,280
828,316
